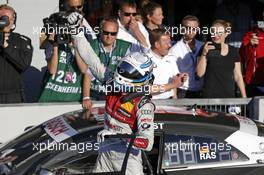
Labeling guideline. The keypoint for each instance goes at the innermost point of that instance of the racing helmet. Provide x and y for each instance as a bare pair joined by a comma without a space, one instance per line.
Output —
134,70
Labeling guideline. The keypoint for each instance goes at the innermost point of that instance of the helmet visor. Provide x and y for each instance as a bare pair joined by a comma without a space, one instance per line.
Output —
128,71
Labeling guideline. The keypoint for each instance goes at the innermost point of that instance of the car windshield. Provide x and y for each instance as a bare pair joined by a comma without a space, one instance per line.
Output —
32,143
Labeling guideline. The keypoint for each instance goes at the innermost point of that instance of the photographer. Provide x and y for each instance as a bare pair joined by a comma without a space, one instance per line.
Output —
15,58
64,78
252,56
220,65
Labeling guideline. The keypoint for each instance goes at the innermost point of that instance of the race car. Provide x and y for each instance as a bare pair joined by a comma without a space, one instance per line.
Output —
187,141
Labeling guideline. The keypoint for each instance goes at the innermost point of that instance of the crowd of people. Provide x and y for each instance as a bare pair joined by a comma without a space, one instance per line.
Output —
211,69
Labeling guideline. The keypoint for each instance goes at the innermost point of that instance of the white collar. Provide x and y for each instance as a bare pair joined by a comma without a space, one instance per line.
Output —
156,56
121,25
102,48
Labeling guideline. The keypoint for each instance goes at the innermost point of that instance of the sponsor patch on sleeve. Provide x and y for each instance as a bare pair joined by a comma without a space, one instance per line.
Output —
128,106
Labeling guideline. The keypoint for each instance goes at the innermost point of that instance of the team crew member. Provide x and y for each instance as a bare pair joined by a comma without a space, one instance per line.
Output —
15,58
64,78
160,45
134,116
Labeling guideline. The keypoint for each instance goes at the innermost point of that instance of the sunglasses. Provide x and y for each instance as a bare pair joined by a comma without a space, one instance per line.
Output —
129,14
76,7
111,33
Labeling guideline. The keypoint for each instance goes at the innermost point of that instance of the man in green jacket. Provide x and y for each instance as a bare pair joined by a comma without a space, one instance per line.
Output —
110,50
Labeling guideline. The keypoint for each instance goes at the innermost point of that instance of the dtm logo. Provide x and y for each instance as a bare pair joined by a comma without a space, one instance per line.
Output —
145,126
158,125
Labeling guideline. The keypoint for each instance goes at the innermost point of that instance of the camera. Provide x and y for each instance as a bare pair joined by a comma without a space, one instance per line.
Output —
208,38
57,24
216,45
4,21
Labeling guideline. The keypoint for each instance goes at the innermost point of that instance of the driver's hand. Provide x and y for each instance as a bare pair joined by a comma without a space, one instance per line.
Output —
75,20
101,135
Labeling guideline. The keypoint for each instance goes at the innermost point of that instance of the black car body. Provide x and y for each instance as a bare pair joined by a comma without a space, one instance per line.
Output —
187,141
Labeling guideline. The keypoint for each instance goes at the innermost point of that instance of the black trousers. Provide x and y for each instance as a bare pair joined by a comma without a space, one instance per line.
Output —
253,91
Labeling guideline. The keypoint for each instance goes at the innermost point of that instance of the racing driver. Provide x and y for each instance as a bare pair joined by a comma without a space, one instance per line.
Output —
131,117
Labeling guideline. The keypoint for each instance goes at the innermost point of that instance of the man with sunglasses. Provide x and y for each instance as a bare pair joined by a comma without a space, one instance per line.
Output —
129,28
110,50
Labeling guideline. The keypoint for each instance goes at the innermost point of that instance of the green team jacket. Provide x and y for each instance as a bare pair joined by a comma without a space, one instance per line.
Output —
110,60
66,84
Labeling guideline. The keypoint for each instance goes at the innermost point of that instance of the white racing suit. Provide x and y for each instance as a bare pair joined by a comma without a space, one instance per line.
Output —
98,70
135,116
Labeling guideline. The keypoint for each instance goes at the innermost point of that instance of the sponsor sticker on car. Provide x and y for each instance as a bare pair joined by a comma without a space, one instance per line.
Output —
206,154
59,129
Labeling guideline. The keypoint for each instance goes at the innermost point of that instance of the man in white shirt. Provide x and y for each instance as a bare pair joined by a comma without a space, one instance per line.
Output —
130,29
165,70
185,54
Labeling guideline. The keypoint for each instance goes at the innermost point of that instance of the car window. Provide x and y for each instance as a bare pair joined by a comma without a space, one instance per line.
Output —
182,150
81,157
